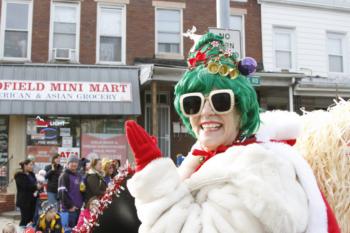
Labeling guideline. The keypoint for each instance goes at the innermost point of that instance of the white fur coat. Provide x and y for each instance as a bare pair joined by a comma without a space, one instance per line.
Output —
258,188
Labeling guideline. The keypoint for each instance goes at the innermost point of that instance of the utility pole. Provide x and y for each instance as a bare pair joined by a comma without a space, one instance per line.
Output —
223,14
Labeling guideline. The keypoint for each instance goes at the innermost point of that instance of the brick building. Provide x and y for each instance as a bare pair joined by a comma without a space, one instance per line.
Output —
67,48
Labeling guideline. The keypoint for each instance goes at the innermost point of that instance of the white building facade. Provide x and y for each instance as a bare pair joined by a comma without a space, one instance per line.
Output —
310,37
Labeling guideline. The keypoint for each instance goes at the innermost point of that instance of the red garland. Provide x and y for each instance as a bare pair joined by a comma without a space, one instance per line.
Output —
104,201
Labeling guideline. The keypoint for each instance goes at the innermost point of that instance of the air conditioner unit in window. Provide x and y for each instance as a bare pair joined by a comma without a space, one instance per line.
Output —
62,54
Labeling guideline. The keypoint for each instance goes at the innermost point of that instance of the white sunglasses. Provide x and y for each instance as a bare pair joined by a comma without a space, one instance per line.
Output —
221,101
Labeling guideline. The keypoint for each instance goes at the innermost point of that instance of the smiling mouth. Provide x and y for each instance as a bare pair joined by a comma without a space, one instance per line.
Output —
211,127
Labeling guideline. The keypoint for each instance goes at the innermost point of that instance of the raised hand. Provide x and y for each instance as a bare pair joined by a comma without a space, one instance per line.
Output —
143,145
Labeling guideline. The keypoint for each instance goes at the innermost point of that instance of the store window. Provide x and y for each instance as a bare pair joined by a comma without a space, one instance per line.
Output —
16,26
111,34
103,138
3,152
47,136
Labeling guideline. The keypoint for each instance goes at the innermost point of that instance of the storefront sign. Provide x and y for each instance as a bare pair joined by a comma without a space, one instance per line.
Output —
42,154
64,91
67,141
64,132
54,123
50,133
65,152
112,146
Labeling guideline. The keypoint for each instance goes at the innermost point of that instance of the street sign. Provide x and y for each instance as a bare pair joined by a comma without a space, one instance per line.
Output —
254,80
232,38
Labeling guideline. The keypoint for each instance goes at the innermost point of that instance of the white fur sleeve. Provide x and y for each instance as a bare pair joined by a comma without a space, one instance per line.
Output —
162,200
269,188
247,189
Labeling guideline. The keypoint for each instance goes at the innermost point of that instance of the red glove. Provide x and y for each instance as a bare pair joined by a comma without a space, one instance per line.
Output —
143,145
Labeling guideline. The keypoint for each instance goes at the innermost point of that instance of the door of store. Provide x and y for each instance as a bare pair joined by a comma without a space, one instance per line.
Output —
163,126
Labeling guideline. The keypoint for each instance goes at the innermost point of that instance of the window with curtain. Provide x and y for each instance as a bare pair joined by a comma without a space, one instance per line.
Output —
168,30
110,34
335,54
283,39
65,26
17,29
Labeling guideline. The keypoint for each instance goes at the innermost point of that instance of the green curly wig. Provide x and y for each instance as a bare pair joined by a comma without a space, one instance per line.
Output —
198,79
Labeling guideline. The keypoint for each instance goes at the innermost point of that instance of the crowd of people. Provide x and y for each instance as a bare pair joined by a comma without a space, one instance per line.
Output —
59,196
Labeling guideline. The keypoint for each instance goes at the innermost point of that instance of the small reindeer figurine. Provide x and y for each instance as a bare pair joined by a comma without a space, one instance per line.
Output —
190,33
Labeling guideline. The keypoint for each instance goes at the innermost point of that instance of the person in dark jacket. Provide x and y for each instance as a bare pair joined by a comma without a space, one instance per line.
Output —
53,172
26,187
70,188
95,183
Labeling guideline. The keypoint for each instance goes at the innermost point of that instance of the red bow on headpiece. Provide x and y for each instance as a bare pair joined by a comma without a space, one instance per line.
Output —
199,57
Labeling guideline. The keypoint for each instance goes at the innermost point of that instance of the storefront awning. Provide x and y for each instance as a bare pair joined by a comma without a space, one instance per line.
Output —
323,86
45,89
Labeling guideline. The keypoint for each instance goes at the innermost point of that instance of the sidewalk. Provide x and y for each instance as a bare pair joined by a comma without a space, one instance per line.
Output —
10,217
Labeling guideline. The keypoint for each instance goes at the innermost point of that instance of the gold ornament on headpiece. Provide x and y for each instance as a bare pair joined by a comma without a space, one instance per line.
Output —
234,73
223,70
213,67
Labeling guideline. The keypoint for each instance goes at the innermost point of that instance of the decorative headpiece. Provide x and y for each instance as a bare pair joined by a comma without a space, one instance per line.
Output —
209,51
46,206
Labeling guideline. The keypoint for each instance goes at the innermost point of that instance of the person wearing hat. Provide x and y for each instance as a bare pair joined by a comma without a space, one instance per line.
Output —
230,181
49,220
70,188
53,172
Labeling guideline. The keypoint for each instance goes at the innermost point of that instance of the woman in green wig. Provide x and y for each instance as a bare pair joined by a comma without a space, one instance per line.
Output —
230,181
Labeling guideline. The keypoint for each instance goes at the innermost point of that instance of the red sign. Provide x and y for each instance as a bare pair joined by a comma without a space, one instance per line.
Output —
41,122
112,146
43,154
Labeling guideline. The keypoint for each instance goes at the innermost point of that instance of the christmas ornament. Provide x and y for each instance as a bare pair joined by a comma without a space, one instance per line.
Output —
247,66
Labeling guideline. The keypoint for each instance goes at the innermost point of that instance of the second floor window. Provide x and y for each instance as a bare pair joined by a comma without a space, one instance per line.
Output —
16,29
65,30
168,29
237,23
283,45
111,35
335,52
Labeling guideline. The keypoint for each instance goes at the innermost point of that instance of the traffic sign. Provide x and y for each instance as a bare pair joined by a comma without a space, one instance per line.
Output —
232,38
254,80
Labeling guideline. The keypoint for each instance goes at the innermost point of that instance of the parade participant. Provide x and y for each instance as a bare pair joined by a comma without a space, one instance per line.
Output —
95,183
53,172
70,188
49,220
90,206
26,187
108,170
229,181
9,228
